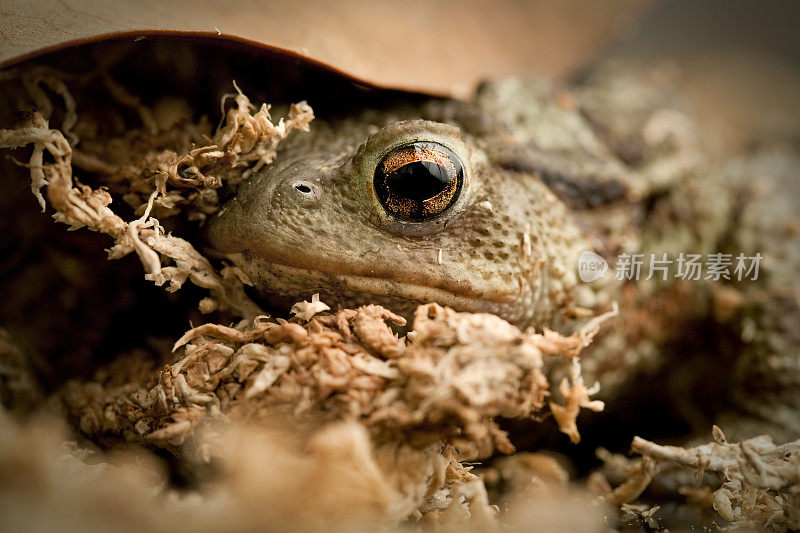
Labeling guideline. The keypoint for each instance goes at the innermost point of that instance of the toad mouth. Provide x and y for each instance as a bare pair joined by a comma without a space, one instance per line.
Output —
328,281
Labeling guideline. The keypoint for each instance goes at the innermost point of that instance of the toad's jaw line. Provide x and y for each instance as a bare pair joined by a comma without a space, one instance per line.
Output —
387,288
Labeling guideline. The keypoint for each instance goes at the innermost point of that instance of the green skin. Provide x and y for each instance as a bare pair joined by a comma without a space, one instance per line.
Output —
614,165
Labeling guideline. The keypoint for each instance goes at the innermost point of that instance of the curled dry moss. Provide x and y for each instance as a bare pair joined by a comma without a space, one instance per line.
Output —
329,418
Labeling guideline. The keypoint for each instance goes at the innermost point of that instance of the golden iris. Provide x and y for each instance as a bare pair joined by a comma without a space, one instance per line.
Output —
418,181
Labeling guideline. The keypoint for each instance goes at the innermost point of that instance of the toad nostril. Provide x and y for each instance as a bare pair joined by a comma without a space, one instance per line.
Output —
303,188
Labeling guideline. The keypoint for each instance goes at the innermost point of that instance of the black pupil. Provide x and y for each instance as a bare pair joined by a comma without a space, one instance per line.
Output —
418,181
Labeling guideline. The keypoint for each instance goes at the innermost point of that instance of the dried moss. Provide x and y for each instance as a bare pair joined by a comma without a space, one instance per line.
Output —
329,420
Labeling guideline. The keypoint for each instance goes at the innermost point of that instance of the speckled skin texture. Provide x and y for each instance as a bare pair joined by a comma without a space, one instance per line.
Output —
508,245
615,163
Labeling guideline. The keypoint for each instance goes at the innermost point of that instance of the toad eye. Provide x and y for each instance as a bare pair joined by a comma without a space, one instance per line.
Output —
418,181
